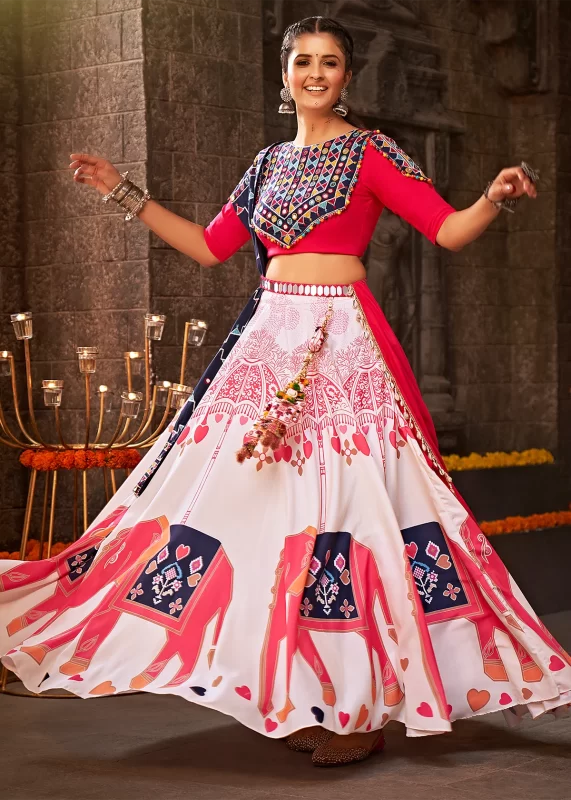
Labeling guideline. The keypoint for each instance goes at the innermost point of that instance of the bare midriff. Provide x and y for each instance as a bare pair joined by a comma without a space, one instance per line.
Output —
324,268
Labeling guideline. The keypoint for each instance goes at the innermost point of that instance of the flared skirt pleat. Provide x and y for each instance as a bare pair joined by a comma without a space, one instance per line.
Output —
336,580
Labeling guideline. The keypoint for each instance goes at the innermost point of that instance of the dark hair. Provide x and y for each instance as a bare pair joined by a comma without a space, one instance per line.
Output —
317,25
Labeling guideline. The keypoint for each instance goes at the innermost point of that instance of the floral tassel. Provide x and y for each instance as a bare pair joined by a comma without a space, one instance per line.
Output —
284,409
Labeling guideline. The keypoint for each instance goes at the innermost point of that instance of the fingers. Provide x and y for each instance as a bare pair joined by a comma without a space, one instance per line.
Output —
83,174
515,180
83,158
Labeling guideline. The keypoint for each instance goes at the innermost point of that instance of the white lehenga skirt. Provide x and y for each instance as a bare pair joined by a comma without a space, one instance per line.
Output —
329,582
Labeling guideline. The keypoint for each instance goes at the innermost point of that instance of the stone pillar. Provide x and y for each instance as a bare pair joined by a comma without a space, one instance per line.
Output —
86,269
206,124
563,235
12,477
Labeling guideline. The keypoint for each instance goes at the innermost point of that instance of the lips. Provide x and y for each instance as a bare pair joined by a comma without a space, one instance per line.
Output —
316,91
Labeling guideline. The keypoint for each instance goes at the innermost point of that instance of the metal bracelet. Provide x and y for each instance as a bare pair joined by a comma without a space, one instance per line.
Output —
508,204
115,190
531,173
134,201
497,203
123,191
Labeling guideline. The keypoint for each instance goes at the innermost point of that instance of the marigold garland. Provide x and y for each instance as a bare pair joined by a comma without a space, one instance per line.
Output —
551,519
46,460
524,458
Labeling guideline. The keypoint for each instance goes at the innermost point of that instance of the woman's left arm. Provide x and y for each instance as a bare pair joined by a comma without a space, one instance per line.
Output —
462,227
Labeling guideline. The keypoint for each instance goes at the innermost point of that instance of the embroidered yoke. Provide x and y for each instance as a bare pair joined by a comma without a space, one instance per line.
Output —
346,182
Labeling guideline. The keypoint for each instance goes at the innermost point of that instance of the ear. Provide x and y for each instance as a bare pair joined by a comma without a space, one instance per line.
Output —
284,78
348,76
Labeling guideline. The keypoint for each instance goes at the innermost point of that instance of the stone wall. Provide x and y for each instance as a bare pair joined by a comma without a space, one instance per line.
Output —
12,478
205,118
501,288
86,269
563,228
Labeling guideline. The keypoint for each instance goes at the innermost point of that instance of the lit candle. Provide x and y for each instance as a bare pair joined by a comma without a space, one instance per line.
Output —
180,394
154,325
87,359
22,323
162,392
130,403
196,331
106,397
53,391
5,367
135,360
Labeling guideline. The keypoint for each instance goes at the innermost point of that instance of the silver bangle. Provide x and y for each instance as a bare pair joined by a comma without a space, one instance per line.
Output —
508,204
128,196
115,190
134,201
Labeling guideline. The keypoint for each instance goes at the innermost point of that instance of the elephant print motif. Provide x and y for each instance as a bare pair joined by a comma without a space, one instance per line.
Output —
324,582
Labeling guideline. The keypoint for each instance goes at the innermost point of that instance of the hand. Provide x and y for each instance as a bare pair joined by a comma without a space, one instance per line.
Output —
512,182
94,171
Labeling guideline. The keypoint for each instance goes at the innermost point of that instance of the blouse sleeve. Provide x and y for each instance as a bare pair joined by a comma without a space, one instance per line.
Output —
229,229
402,187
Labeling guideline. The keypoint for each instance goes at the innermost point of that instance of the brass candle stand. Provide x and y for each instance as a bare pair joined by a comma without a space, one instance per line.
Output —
132,431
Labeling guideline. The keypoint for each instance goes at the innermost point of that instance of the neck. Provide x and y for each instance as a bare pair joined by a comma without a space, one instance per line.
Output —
311,130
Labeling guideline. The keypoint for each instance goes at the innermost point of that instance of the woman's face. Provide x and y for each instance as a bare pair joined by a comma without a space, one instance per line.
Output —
316,72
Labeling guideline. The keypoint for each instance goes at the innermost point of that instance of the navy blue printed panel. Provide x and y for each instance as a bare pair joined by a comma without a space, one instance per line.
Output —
80,563
390,150
200,389
170,578
432,567
247,193
328,590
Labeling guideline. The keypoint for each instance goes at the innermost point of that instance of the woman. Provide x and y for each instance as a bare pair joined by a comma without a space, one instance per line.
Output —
302,583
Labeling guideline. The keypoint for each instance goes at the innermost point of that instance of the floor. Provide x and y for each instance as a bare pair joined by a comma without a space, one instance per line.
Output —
144,747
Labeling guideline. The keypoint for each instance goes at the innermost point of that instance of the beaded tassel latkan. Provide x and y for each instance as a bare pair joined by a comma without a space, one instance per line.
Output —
284,409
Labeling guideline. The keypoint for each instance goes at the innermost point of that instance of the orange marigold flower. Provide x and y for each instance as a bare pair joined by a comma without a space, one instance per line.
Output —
80,459
26,458
552,519
67,459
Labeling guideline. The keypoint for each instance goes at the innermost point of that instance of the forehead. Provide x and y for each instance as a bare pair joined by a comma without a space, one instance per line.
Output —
317,43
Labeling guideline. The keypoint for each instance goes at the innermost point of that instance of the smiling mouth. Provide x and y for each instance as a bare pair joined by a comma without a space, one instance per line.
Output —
316,90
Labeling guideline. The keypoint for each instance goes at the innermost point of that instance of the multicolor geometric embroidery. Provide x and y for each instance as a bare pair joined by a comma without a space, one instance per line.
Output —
328,589
301,187
389,149
433,568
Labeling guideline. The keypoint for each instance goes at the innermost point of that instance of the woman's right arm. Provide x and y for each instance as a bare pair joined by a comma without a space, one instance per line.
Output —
180,233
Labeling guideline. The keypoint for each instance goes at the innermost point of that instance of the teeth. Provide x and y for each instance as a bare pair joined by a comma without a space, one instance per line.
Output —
316,88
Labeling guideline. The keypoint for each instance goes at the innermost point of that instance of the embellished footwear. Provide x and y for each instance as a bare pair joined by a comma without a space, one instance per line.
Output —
309,739
340,750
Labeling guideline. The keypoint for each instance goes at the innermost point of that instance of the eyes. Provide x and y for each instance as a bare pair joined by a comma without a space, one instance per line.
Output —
304,62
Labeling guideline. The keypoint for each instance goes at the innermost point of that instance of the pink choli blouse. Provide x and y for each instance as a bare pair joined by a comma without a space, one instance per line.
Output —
327,198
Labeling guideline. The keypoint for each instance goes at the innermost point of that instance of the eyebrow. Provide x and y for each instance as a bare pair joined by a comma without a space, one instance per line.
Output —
308,55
